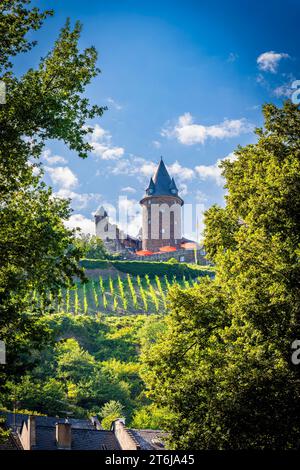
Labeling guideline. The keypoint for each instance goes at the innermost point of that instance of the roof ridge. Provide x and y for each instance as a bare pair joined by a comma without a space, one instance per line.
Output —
147,430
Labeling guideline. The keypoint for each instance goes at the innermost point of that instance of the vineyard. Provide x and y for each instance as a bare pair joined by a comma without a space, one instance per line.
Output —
132,294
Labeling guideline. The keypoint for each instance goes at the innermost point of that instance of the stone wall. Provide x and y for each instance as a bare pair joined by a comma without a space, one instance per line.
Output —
183,256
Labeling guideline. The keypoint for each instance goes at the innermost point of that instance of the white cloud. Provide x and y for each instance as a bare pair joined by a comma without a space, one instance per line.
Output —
133,166
284,90
127,215
210,171
156,144
180,172
122,167
128,189
188,133
214,171
147,168
62,176
78,200
253,107
78,220
114,103
129,205
102,147
233,56
36,171
36,168
52,159
134,225
269,61
130,215
106,153
200,196
144,169
261,80
183,189
98,133
231,157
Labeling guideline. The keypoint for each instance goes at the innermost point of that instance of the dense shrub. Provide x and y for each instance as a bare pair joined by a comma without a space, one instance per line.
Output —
95,263
152,268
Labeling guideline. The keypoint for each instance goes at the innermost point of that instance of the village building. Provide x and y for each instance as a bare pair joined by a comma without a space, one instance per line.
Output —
31,432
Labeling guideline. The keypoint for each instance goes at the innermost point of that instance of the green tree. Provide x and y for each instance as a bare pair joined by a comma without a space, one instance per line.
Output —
37,252
73,362
223,368
92,246
48,397
151,417
152,330
111,411
16,20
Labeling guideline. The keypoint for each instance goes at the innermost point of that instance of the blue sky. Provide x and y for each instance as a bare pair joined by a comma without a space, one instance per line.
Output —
182,79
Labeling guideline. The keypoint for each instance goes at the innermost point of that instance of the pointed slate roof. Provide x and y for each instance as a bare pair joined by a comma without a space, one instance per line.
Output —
151,187
162,184
101,212
173,185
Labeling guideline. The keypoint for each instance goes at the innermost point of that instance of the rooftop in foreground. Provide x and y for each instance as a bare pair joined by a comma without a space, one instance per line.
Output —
30,432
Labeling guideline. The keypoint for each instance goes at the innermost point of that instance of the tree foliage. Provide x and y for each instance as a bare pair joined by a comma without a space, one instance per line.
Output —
92,247
94,362
223,367
111,411
37,252
16,20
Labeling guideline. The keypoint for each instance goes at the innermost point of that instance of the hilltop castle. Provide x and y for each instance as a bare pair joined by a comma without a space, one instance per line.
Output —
161,212
161,219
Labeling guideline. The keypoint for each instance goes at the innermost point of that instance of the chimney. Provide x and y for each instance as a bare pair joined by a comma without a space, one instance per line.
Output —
31,431
28,433
96,423
125,439
63,436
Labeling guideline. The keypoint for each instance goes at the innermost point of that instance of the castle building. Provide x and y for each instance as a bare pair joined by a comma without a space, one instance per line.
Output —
104,229
161,206
114,239
161,221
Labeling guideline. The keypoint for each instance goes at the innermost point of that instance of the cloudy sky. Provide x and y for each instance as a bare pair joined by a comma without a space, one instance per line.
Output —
183,79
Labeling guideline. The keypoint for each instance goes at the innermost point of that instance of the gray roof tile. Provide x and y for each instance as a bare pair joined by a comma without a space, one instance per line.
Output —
149,439
84,434
162,184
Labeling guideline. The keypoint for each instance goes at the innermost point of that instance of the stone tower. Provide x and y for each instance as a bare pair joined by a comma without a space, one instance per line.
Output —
161,212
